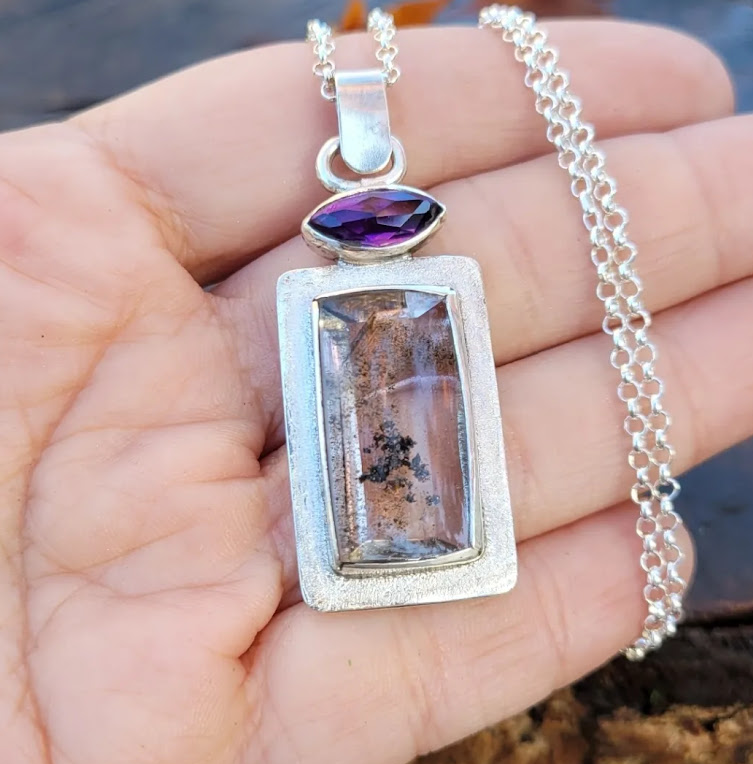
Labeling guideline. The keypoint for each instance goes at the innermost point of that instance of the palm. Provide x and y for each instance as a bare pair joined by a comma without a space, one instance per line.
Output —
141,584
150,610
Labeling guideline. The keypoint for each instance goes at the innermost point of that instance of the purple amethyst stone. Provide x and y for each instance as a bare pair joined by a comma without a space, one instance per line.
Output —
376,217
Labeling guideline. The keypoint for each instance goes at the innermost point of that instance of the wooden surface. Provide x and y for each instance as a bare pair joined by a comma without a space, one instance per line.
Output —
692,704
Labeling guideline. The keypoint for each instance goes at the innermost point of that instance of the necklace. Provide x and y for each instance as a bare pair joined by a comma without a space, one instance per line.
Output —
397,466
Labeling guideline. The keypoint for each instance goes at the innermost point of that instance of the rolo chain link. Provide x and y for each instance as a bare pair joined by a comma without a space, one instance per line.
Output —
320,34
627,321
380,24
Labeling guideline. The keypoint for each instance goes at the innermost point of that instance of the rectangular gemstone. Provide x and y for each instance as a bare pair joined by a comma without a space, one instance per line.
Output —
396,445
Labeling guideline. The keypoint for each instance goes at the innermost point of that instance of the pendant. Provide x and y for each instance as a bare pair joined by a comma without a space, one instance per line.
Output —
397,467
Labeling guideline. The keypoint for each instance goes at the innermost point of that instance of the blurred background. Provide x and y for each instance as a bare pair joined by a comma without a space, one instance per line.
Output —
696,704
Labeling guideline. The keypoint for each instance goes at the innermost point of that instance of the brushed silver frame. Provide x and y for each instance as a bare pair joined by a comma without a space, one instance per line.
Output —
324,586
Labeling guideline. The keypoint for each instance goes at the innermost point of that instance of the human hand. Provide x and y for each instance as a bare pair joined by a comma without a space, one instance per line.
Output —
150,610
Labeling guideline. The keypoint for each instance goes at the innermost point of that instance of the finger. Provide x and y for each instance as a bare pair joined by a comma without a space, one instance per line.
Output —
393,684
225,151
565,442
564,423
689,218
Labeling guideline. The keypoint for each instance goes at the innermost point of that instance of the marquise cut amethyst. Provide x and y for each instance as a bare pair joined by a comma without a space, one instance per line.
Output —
376,218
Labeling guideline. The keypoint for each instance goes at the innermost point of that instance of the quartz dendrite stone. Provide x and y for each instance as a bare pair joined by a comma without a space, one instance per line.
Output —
396,447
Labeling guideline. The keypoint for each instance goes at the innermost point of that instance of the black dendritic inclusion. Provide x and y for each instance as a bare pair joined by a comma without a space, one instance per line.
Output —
396,467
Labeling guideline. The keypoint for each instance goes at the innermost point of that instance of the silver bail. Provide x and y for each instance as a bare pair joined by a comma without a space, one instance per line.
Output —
363,115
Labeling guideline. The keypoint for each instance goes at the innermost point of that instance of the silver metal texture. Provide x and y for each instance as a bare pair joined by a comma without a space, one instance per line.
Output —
325,586
380,24
364,120
627,321
336,250
337,184
364,141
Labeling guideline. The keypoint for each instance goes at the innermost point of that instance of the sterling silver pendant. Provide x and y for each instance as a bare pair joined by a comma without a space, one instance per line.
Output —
397,467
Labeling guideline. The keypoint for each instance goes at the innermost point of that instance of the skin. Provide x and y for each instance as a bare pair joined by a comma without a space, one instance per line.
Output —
149,607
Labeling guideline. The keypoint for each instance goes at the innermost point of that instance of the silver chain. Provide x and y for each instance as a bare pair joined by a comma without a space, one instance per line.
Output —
380,24
627,321
320,34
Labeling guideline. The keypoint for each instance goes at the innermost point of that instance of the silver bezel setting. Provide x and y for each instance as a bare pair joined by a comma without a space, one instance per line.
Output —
325,585
334,249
